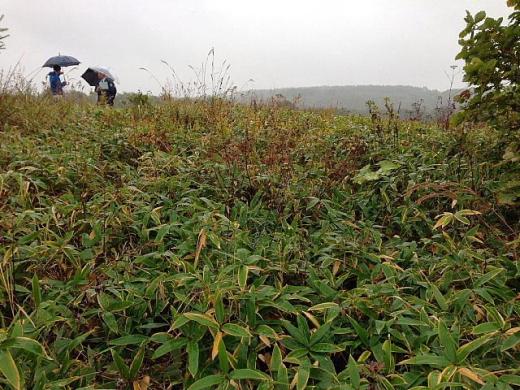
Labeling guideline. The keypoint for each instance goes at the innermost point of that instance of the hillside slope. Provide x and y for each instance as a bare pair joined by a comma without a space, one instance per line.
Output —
354,98
209,245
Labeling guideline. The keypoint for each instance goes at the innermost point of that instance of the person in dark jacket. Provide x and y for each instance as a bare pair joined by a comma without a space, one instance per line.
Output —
106,90
55,81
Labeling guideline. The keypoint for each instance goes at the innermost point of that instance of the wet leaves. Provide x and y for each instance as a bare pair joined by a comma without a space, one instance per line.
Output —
130,264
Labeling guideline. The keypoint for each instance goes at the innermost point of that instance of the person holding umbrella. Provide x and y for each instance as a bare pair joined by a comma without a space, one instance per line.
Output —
104,84
56,63
106,90
55,81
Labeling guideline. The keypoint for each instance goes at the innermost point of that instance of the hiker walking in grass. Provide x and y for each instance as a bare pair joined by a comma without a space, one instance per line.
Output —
106,90
55,82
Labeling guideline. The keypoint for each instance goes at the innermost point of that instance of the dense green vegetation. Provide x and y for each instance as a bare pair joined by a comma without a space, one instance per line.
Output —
491,51
205,244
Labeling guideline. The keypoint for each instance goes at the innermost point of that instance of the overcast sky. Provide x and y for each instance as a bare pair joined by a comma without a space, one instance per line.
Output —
278,43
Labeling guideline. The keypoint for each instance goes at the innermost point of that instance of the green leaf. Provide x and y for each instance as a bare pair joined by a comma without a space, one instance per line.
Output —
16,329
251,309
365,174
223,357
297,356
466,349
428,360
462,218
495,315
387,166
448,342
208,382
487,327
123,369
323,306
169,346
266,330
387,356
303,326
510,379
111,322
179,322
28,345
386,383
276,359
487,277
264,386
160,337
353,372
220,312
36,291
480,16
361,332
63,383
312,202
235,330
434,378
128,340
193,357
510,342
74,343
303,374
296,333
282,377
9,369
242,276
441,301
202,319
248,373
326,348
317,336
137,362
444,220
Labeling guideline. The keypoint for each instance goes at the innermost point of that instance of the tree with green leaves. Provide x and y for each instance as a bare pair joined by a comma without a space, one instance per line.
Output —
491,51
2,37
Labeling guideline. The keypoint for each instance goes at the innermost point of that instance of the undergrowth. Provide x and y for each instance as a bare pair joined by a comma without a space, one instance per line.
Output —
207,244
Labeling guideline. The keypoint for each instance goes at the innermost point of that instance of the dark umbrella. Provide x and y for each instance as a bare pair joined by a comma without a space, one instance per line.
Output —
91,75
62,61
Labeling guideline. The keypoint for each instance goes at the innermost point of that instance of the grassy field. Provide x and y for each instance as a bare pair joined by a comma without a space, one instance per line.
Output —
215,245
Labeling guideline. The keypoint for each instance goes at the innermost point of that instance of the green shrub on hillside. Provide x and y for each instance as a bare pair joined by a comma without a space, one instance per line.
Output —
491,51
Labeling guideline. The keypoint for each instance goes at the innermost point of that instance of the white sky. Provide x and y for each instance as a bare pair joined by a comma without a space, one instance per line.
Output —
278,43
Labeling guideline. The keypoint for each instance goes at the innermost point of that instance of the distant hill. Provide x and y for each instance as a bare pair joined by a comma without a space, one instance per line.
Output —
354,98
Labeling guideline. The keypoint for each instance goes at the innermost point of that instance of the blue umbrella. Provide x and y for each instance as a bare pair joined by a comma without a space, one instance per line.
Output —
62,61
